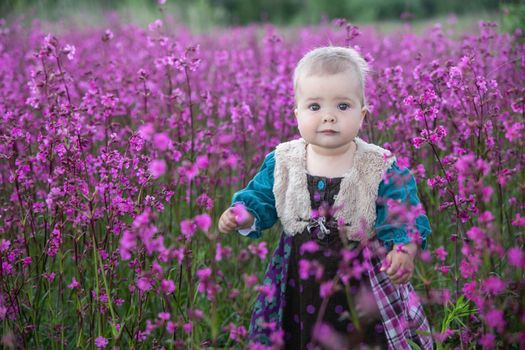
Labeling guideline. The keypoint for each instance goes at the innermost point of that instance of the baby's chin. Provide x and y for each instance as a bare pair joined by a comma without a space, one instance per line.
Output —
331,147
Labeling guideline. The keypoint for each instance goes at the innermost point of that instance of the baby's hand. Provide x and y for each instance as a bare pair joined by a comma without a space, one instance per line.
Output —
400,263
235,218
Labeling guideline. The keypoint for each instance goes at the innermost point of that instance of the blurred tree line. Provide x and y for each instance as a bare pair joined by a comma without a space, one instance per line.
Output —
282,12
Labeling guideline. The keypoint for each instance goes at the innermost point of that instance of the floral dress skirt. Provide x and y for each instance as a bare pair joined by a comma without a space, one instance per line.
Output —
295,316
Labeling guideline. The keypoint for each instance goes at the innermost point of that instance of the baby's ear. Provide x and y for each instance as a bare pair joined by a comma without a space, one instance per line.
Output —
364,114
295,112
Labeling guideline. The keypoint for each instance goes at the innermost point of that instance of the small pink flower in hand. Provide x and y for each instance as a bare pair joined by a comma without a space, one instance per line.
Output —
241,214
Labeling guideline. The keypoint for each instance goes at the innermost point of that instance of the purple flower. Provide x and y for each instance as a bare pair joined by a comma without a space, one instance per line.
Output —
167,286
188,228
146,131
187,327
488,341
144,284
495,319
157,168
310,247
441,253
203,222
74,284
326,289
202,162
54,242
161,141
259,250
494,285
516,257
165,316
101,342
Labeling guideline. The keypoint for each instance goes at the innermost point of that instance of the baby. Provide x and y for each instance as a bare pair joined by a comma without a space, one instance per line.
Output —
329,192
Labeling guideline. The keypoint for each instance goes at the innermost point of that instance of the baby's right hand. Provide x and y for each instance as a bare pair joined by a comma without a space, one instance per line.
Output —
230,220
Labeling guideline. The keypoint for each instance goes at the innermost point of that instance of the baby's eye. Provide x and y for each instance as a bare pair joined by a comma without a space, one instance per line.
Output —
343,106
314,107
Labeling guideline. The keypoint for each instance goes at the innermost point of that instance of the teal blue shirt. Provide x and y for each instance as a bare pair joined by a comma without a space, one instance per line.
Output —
259,200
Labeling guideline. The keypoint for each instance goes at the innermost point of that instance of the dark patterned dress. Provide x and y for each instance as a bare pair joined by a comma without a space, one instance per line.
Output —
286,303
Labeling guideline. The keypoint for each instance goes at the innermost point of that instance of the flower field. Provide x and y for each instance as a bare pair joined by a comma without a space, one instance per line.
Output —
120,148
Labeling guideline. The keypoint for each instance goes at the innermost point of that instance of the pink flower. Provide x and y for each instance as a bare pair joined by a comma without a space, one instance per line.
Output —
188,228
268,290
50,276
417,142
516,257
171,327
187,327
74,284
101,342
310,247
328,337
188,170
218,252
487,341
127,244
164,316
441,337
494,285
425,256
443,269
146,131
4,245
144,284
518,220
494,319
326,289
157,168
202,162
249,280
441,253
161,141
54,242
205,202
70,51
167,286
203,221
304,269
236,333
240,213
205,282
259,249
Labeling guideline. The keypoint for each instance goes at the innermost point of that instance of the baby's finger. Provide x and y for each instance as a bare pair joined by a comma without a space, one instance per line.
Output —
392,269
226,226
401,278
387,262
229,226
396,275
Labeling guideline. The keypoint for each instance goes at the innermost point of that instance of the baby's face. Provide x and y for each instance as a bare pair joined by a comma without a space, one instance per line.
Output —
329,112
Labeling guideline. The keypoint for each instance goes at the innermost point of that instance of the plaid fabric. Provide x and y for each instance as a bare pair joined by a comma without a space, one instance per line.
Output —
401,311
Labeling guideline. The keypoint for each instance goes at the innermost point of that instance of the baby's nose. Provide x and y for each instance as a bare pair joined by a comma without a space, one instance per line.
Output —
329,117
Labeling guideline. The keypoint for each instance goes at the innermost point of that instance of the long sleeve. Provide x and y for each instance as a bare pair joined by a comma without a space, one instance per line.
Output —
391,225
258,197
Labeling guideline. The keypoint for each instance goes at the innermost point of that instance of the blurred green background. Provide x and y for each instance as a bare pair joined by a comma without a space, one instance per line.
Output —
202,15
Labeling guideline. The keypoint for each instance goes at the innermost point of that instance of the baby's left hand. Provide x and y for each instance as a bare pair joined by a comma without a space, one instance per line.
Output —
400,263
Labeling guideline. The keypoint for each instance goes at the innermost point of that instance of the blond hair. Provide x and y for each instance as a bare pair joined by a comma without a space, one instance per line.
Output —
332,60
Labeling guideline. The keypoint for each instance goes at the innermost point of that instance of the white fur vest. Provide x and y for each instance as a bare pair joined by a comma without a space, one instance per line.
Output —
355,204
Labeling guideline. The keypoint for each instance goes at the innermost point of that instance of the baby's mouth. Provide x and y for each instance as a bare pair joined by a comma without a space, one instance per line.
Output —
328,132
